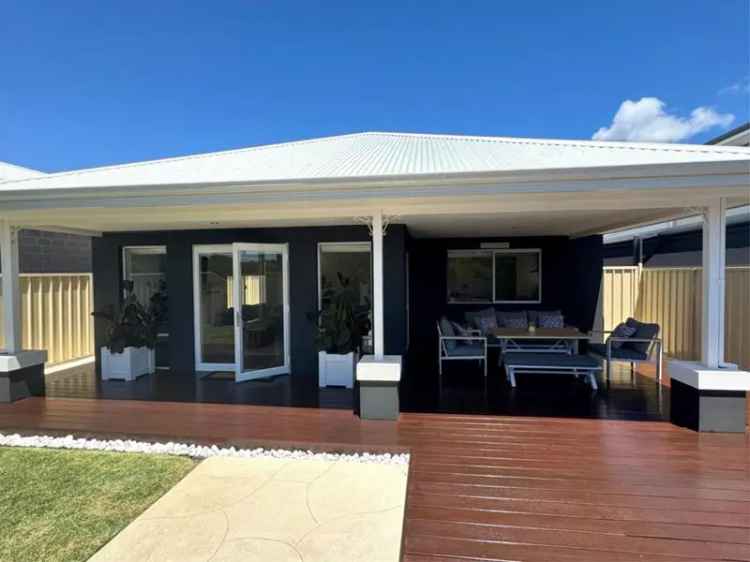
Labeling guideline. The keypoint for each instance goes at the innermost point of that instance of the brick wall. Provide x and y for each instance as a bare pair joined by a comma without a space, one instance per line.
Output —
52,252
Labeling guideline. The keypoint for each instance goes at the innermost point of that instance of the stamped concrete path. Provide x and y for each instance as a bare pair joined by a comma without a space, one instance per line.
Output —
267,509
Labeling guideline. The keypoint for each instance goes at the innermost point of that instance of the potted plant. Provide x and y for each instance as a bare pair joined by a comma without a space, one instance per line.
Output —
131,337
341,324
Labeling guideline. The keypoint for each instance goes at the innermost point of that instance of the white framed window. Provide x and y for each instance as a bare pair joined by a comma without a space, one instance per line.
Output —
494,276
353,262
350,260
146,268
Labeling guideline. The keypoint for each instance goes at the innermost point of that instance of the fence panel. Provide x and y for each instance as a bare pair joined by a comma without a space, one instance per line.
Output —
672,297
56,315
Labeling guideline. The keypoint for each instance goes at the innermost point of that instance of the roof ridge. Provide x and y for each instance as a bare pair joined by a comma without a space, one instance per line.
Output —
181,158
627,145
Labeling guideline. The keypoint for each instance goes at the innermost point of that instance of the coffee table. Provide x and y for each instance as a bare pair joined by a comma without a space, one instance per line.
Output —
541,340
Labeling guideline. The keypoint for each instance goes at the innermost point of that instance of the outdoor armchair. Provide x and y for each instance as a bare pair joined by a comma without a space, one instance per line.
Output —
633,349
452,347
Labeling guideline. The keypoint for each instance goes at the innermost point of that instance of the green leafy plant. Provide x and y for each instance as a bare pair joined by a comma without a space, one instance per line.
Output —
343,321
132,325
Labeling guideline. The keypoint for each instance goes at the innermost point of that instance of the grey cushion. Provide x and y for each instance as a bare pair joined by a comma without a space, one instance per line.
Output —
467,349
516,319
643,331
446,329
622,330
518,359
551,319
623,353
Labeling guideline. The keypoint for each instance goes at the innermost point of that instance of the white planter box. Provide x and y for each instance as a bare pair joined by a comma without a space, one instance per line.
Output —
128,365
336,370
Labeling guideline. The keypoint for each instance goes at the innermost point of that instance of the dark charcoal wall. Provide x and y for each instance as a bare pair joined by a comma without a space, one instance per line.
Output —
52,252
107,264
571,276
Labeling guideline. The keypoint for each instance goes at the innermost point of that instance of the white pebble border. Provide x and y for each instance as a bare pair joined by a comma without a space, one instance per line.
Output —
189,450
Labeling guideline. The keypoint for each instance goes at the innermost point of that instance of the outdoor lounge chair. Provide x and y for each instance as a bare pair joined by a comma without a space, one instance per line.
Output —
644,346
452,347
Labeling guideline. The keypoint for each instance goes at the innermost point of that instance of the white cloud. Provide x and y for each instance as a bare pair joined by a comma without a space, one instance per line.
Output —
740,87
647,120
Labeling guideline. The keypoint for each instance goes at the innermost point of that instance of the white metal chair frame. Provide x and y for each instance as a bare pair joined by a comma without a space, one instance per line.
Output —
443,349
654,344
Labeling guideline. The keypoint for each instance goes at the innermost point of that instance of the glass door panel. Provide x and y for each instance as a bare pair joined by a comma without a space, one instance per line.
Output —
214,312
262,311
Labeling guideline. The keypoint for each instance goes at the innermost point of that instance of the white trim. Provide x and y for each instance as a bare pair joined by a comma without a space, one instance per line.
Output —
377,286
198,250
246,375
11,296
701,377
714,274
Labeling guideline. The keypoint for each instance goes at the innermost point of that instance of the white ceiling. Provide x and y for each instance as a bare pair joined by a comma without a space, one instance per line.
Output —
547,223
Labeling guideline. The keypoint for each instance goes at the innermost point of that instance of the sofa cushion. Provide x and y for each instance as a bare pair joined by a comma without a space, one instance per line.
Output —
515,319
622,330
467,350
446,329
484,320
550,319
622,353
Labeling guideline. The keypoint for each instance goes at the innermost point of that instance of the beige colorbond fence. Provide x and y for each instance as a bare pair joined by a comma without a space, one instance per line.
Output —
56,315
672,298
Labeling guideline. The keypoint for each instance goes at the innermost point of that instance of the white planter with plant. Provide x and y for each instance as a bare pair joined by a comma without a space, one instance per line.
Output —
129,364
131,337
341,324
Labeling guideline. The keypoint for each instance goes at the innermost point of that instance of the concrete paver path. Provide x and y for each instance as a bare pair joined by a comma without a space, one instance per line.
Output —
266,509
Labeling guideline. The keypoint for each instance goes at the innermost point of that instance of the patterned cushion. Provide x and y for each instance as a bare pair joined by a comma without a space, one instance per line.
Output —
515,320
446,329
486,324
485,320
551,319
621,331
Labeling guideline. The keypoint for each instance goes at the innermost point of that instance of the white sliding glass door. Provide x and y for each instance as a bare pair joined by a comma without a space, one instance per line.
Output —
261,310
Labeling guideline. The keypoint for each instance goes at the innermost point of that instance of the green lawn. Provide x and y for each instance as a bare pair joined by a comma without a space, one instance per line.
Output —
60,506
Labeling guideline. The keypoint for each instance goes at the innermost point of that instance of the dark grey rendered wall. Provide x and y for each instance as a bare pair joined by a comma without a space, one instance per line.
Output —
303,284
571,277
53,252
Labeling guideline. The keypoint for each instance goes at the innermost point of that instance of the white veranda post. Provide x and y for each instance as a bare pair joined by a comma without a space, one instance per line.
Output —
377,282
11,293
714,272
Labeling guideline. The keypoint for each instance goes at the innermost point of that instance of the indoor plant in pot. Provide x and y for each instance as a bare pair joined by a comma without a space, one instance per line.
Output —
131,337
341,324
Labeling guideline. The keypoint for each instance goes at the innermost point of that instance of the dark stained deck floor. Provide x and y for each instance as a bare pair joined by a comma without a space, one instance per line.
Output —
488,488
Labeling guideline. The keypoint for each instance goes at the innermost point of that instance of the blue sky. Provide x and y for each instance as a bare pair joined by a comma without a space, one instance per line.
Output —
94,83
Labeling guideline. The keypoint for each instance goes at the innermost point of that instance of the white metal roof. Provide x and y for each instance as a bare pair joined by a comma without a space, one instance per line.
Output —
11,172
380,155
